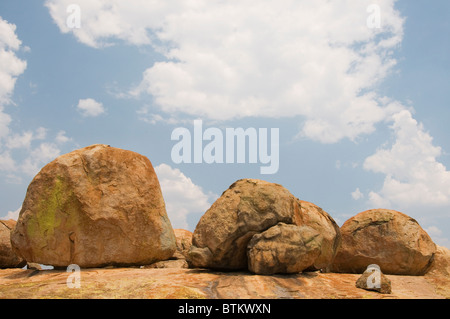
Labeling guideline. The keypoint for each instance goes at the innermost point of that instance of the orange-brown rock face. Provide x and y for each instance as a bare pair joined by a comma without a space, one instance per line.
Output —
8,259
316,218
93,207
250,207
388,238
286,249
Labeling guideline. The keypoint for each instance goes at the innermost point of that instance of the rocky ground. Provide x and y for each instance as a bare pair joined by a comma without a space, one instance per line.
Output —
169,283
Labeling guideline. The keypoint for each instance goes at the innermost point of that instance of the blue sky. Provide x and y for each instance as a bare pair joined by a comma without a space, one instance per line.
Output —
362,112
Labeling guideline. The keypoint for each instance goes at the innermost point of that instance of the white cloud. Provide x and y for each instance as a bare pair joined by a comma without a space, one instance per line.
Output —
233,59
437,235
12,214
413,173
8,37
38,157
41,133
61,137
24,140
90,108
10,68
19,141
10,65
6,162
433,231
181,195
315,60
21,153
357,194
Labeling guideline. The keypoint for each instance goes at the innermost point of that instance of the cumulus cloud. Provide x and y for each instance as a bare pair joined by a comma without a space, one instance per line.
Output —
6,162
413,173
10,65
181,195
24,140
437,235
90,108
61,138
38,157
318,60
10,68
12,214
357,194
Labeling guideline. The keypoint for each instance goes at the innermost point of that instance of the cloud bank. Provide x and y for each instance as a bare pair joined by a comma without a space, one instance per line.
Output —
29,145
318,61
181,195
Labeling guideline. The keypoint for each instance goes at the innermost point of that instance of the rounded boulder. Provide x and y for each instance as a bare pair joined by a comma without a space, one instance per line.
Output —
390,239
95,207
285,249
246,208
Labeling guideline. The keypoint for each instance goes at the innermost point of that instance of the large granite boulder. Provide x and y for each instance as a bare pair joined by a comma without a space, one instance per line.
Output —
318,219
283,248
8,259
94,207
251,207
387,238
247,208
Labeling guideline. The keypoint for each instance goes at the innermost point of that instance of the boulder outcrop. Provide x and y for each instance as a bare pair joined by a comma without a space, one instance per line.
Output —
247,208
8,259
94,207
318,219
286,249
388,238
250,207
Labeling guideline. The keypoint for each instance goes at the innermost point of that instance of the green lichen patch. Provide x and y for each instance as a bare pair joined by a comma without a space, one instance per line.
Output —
54,208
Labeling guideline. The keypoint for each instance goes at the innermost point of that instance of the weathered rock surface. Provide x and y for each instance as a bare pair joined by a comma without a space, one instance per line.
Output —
316,218
94,207
247,208
198,284
441,263
388,238
184,243
439,272
8,259
284,249
250,207
374,280
178,260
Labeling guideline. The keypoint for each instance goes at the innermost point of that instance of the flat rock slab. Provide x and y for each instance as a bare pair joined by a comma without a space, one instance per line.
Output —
139,283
